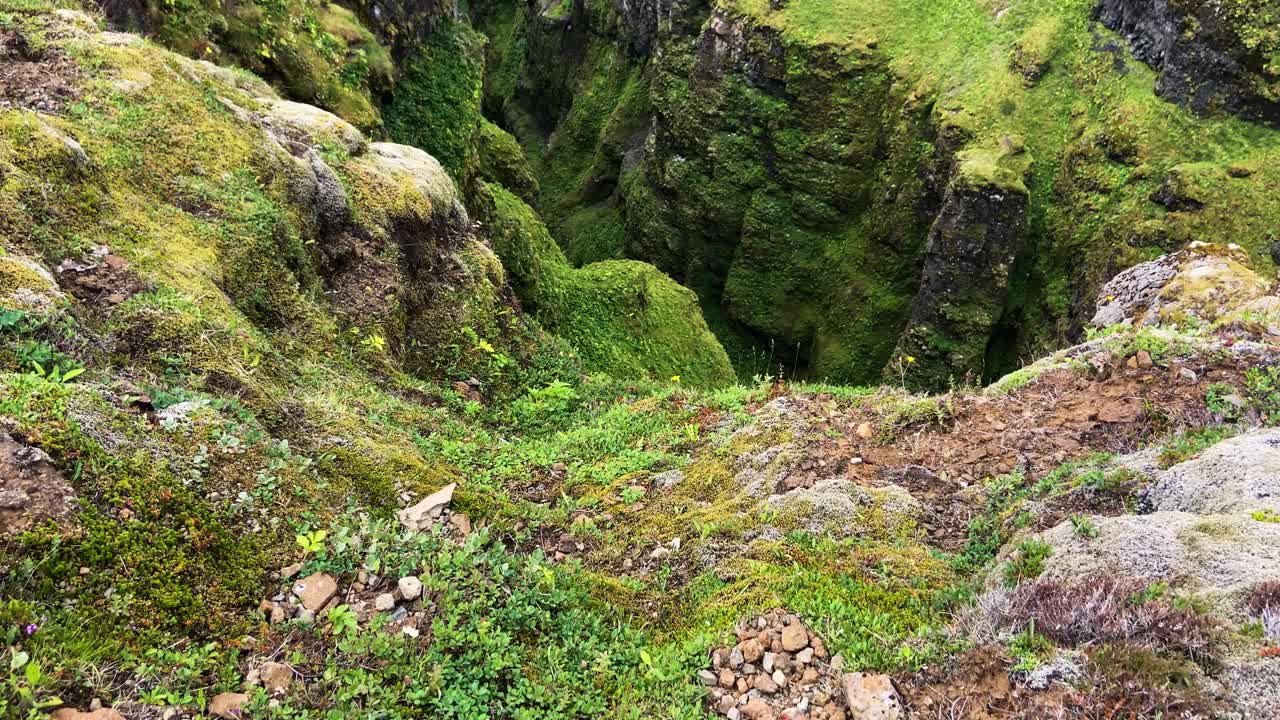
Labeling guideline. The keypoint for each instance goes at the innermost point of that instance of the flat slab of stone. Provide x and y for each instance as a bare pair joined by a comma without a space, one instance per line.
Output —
1238,475
424,514
871,697
315,590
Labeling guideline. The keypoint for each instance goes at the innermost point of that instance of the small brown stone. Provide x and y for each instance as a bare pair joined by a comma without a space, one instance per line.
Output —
765,684
461,523
866,431
315,590
275,676
99,714
227,705
819,648
794,637
751,649
757,710
726,678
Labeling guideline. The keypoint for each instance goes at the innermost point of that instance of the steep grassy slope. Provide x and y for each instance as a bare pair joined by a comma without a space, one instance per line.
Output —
317,52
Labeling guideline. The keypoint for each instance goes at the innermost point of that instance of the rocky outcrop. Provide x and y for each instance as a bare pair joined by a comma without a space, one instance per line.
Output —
1202,283
404,23
397,249
1211,56
315,52
1238,475
26,285
1224,554
972,246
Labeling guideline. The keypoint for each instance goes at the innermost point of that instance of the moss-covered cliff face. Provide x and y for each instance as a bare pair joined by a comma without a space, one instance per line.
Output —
1211,56
798,164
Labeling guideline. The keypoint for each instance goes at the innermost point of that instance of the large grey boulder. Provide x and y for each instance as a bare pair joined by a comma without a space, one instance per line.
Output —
1203,281
1227,554
1238,475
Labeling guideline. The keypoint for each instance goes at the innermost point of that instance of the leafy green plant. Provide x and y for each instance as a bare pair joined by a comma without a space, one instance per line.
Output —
1084,527
1268,515
1158,347
57,374
1029,649
692,432
1262,384
1151,593
632,495
343,620
1188,445
1220,399
1028,561
311,542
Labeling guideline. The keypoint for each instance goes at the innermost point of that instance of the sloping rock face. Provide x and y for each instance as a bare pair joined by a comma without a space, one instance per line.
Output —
1239,475
1202,283
1215,553
1212,57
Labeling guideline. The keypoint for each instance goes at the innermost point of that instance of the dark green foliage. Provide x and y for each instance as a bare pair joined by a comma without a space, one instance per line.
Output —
1263,387
513,637
1191,443
1027,563
436,105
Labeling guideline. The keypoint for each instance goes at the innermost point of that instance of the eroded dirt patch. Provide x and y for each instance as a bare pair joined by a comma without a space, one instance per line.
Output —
1063,416
32,78
32,490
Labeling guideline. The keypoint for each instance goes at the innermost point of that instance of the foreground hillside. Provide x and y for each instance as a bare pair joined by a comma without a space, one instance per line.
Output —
299,423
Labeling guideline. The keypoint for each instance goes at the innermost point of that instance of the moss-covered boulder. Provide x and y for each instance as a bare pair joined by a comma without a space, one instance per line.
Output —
625,318
315,52
1201,284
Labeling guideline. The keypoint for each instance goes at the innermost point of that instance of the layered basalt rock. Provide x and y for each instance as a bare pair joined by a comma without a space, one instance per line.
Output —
972,246
1208,54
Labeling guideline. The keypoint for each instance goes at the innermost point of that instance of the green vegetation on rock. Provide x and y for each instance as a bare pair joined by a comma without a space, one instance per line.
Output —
624,317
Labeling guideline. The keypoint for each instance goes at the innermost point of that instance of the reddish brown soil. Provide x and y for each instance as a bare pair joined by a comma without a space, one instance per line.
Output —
1063,416
31,79
32,491
976,686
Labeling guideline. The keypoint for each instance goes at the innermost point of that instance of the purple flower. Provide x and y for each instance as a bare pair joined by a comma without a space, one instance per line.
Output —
30,629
